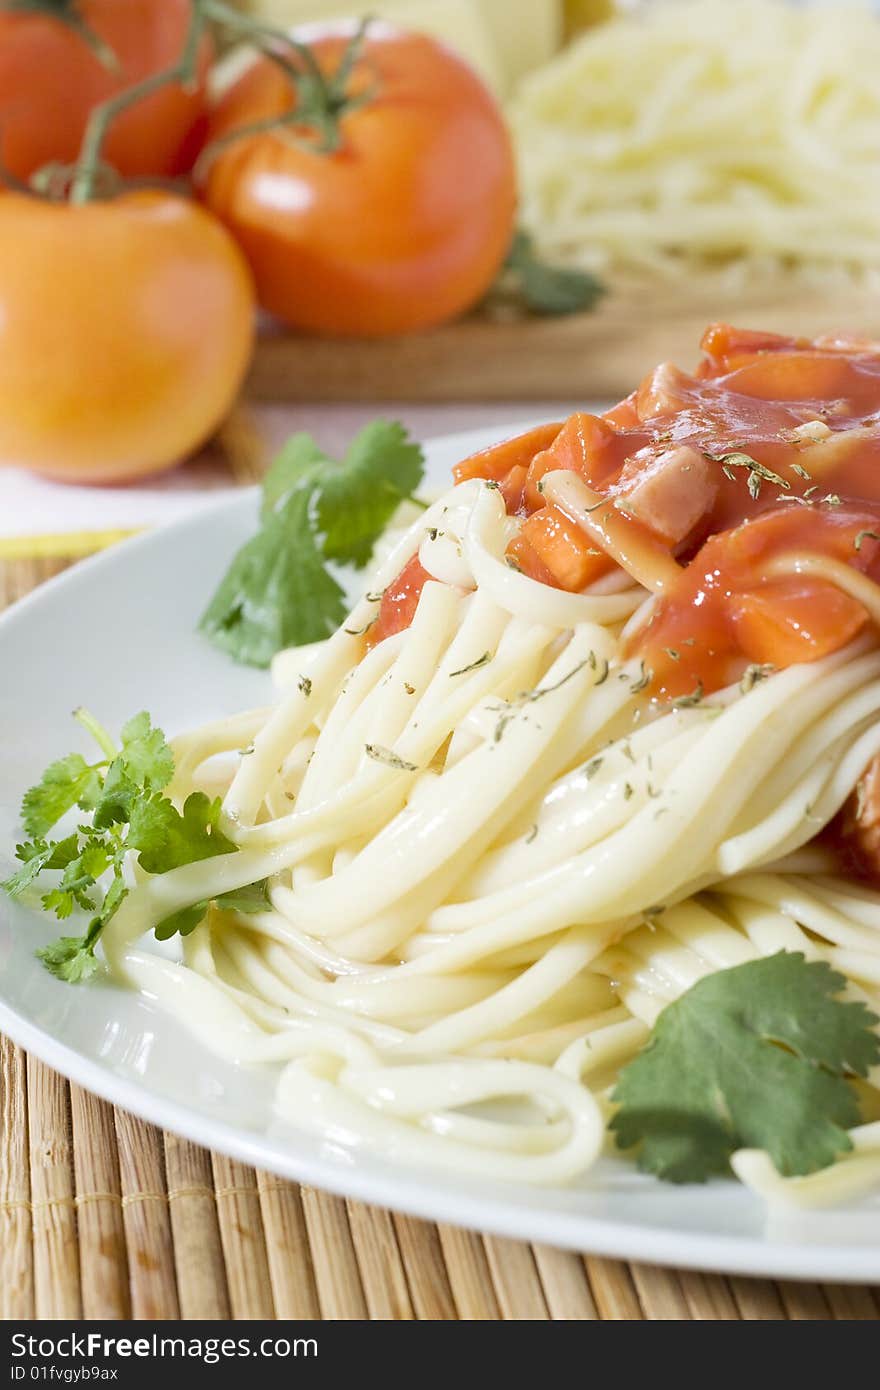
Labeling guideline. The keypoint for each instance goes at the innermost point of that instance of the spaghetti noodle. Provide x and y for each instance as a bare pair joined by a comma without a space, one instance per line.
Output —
554,769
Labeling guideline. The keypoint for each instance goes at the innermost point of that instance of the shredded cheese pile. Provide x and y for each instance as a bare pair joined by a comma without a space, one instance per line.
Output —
707,131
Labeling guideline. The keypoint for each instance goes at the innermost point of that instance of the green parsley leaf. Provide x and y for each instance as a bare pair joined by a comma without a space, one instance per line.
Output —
129,814
80,874
756,1056
145,756
69,782
541,288
299,463
278,591
253,898
184,921
70,958
116,799
166,838
144,763
37,855
358,498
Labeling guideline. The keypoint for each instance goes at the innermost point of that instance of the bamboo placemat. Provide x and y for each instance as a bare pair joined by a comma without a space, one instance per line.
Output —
104,1216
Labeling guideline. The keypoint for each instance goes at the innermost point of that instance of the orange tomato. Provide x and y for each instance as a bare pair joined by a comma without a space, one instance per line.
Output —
50,79
404,225
563,548
789,621
399,602
125,331
496,462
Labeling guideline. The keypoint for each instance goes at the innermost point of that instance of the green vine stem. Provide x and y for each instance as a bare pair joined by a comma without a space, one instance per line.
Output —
263,35
321,100
67,12
82,187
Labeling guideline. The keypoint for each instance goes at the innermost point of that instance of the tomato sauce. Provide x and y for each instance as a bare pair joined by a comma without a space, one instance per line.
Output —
770,449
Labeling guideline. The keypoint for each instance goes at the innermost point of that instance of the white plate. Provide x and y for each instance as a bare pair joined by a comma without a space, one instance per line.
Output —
117,633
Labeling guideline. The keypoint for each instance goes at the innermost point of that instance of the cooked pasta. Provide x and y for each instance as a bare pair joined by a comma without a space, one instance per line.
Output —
499,838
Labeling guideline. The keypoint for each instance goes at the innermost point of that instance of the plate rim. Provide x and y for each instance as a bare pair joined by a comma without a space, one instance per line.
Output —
413,1190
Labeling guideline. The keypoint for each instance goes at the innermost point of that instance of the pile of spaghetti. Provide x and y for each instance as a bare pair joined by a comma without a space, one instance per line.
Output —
604,724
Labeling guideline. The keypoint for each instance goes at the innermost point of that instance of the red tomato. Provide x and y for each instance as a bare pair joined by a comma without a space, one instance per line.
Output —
780,442
790,621
568,559
50,79
125,331
400,601
496,461
405,224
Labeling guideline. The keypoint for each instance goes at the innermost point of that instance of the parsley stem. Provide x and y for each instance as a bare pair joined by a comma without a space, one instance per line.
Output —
97,731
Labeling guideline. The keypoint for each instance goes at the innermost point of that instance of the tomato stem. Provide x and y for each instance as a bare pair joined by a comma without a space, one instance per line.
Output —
88,166
255,29
67,12
320,99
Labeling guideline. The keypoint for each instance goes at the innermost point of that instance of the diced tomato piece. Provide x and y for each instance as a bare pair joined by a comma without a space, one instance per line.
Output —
747,549
565,551
582,446
848,342
665,391
792,376
525,559
722,344
791,621
399,601
543,463
771,450
624,416
513,489
496,462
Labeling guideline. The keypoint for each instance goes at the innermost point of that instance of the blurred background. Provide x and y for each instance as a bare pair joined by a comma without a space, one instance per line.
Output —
224,222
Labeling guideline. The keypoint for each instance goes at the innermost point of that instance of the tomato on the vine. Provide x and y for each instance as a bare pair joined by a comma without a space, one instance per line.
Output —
126,327
393,213
51,76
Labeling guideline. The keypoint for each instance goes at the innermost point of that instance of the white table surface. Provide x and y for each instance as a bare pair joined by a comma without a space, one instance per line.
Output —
32,506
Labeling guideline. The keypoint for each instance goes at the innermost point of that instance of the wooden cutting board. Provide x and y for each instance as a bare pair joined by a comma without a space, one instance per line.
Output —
602,354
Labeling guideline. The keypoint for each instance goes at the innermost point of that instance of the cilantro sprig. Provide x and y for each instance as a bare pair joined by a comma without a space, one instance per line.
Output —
279,591
122,792
757,1056
529,283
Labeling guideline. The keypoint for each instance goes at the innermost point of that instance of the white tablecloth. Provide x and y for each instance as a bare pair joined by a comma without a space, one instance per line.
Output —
34,507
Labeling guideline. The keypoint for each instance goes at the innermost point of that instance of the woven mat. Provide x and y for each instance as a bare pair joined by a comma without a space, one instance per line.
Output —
103,1216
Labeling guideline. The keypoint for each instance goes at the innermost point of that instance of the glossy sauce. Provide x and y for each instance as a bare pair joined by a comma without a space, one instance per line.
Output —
802,421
